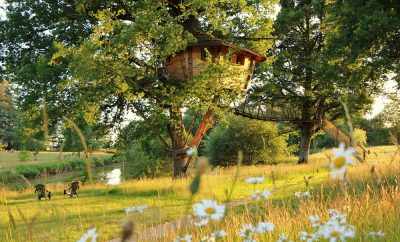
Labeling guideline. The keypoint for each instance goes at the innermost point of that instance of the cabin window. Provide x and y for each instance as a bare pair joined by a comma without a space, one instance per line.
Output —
238,59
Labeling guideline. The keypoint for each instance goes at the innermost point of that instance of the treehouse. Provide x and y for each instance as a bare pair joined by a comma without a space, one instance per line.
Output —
196,58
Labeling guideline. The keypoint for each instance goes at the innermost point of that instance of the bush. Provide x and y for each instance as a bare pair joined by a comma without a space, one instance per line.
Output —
139,164
259,141
24,155
360,136
13,180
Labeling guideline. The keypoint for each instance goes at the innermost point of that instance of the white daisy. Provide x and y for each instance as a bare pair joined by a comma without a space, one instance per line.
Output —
342,158
201,222
334,231
114,177
185,238
376,234
219,234
134,209
302,195
209,209
264,227
283,238
308,237
208,238
247,232
90,235
257,195
255,180
314,220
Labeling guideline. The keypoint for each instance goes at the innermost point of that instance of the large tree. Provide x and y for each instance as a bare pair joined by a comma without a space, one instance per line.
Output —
307,79
111,57
367,34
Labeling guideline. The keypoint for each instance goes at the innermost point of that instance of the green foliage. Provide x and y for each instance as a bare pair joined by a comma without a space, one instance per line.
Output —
366,36
138,163
259,141
9,118
149,134
360,136
24,155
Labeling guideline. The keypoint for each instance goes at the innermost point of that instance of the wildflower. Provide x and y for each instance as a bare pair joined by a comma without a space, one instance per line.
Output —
283,238
214,236
208,238
334,231
257,195
114,177
90,234
185,238
139,209
376,234
304,236
201,222
264,227
336,215
247,232
255,180
302,195
343,157
314,220
219,234
209,209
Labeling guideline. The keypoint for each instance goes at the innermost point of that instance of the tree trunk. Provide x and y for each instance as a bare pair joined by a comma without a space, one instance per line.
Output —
179,141
177,134
306,133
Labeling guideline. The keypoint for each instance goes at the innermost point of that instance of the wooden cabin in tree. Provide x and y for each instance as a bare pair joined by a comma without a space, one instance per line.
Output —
191,62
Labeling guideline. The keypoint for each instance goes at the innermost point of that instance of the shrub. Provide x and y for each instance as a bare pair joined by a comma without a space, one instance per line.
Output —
139,164
360,136
259,141
24,155
13,180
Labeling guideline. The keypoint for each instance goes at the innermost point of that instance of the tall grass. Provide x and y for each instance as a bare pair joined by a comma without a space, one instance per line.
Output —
371,199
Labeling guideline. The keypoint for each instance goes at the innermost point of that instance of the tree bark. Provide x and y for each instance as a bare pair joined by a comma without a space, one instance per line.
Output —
306,133
176,131
179,141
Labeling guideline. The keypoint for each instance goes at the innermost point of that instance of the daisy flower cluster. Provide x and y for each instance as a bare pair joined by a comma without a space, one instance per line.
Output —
343,157
334,229
249,231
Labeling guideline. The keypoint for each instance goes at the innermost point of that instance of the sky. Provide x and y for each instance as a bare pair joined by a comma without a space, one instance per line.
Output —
379,102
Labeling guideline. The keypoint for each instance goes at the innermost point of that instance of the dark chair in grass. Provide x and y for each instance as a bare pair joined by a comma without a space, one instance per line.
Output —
72,190
41,191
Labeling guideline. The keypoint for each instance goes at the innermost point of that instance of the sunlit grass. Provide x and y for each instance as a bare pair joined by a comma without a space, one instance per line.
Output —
371,200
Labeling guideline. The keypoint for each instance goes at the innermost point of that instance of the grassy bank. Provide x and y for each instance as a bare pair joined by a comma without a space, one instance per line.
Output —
371,200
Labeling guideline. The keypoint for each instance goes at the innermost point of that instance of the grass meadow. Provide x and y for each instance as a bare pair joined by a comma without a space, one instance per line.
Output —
370,199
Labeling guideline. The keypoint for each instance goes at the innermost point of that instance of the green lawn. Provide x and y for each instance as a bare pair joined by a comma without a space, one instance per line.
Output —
64,219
